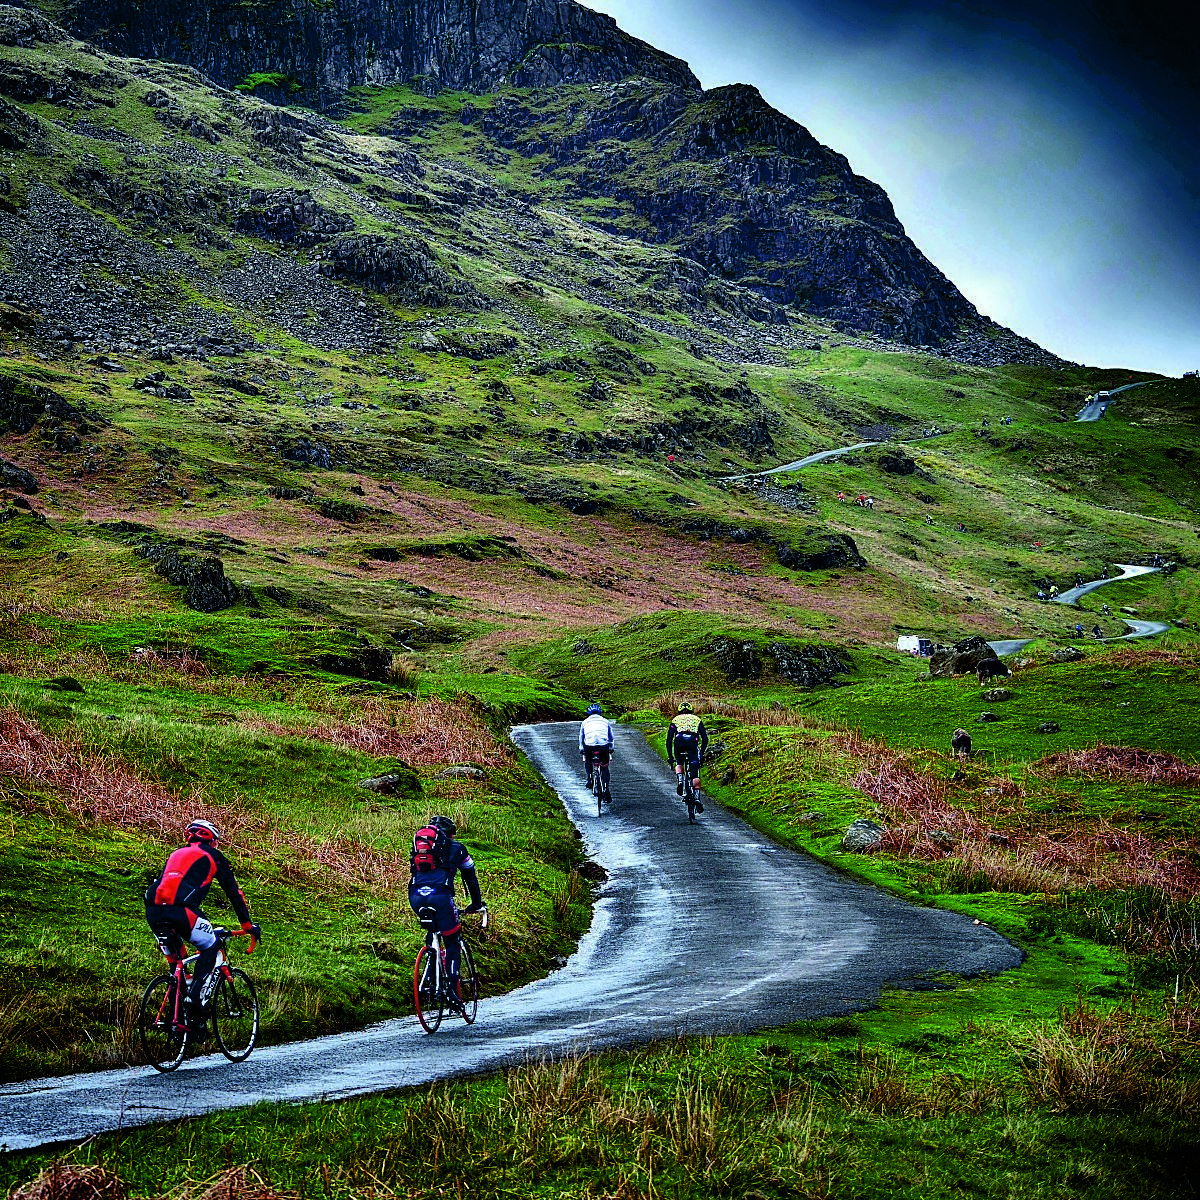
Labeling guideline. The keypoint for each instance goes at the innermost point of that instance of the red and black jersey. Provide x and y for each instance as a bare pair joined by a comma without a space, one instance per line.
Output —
189,874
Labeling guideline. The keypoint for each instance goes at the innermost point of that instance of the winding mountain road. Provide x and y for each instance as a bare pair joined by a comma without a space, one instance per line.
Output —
808,461
700,929
1096,406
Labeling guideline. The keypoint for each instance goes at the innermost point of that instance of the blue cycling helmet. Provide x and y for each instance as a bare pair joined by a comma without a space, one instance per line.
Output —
594,710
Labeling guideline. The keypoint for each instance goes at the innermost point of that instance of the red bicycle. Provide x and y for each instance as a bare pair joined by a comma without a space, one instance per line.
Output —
232,1005
432,987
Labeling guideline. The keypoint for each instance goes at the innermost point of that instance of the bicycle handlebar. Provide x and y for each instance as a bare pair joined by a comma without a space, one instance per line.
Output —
253,934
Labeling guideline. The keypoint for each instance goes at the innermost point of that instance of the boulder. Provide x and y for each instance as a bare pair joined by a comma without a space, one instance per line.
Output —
988,716
963,657
17,478
1065,655
1049,727
813,814
403,782
863,837
593,872
997,695
461,771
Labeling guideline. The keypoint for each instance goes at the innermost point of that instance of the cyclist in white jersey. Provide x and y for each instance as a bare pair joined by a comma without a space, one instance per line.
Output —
596,746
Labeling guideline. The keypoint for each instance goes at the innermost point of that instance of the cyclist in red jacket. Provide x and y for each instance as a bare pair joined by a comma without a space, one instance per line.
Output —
173,909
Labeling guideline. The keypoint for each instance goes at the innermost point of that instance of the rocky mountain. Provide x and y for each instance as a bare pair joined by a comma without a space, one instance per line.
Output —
323,48
575,110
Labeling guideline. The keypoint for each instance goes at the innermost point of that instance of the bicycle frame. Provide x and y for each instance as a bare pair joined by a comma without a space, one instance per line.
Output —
183,979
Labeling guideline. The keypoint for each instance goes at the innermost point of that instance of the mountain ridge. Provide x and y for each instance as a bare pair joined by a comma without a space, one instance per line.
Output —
718,176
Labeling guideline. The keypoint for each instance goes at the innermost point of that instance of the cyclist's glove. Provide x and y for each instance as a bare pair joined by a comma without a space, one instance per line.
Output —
255,931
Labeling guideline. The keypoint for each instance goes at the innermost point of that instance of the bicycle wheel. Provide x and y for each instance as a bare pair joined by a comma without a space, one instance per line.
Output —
598,790
426,993
468,982
163,1044
235,1015
689,798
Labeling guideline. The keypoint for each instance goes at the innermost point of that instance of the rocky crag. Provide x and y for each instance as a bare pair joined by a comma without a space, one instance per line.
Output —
619,132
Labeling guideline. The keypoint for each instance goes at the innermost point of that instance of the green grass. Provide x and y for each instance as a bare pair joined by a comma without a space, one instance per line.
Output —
338,947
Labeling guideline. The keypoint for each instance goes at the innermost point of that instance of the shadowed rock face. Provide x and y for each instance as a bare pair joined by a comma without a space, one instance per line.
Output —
326,48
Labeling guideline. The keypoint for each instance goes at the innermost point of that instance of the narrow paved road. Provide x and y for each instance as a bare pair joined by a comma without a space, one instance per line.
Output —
1097,405
1137,629
796,464
705,928
1127,572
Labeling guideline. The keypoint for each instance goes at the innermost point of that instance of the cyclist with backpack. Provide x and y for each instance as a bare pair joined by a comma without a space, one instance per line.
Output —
596,746
435,860
687,740
173,911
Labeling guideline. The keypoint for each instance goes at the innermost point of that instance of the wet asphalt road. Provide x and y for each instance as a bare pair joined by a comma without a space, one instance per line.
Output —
705,928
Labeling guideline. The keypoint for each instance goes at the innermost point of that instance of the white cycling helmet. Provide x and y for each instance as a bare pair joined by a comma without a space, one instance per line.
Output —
206,831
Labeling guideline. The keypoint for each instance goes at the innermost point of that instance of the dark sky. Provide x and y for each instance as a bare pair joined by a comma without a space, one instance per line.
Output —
1045,155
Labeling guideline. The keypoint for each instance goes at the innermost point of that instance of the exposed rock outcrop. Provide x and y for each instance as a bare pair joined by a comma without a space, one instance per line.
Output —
202,575
17,478
325,48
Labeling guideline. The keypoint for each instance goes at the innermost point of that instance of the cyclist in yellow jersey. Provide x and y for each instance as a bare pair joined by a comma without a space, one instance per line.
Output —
687,740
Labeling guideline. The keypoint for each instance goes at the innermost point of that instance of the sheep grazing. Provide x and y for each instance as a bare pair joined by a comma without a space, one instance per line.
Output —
990,668
961,743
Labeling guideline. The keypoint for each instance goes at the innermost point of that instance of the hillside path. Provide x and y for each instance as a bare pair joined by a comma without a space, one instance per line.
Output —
700,929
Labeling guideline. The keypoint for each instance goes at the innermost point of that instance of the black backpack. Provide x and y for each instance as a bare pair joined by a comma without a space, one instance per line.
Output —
430,849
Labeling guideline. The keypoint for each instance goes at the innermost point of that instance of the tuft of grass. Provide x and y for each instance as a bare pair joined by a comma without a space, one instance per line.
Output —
1095,1061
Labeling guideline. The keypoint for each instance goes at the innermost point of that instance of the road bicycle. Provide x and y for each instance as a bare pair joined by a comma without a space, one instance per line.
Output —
432,987
690,798
232,1005
596,786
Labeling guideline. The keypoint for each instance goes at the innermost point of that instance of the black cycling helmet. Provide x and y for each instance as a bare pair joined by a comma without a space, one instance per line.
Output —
444,823
685,707
594,709
204,831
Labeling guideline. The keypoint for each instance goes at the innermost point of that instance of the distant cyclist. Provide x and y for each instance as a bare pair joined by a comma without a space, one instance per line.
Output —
173,909
436,858
687,740
596,746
